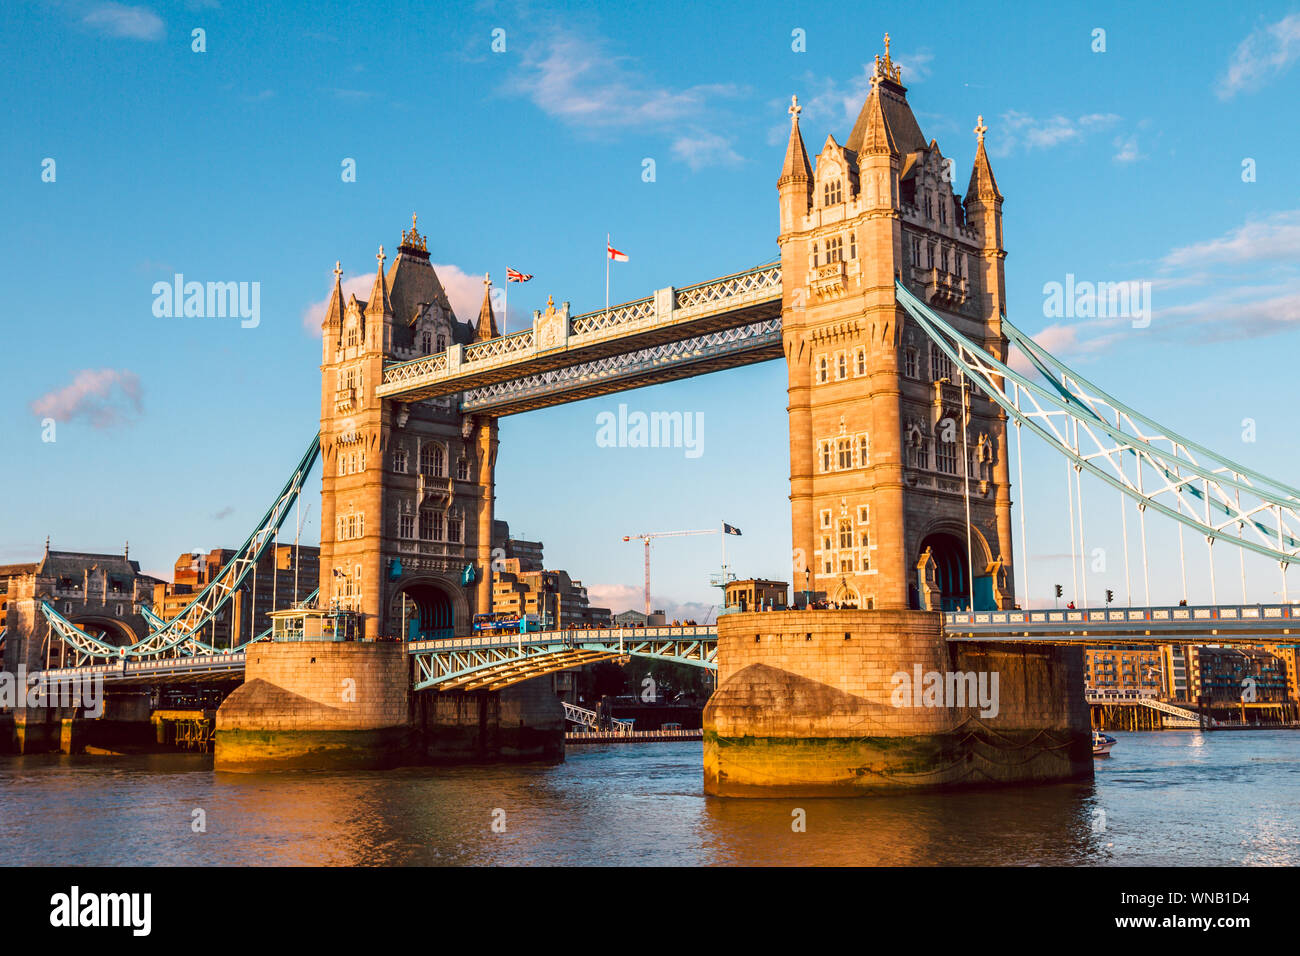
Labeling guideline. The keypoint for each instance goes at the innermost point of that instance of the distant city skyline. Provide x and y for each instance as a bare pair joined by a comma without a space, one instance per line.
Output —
1164,158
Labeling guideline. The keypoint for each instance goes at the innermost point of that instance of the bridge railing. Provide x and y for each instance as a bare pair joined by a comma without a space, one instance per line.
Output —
130,668
1244,614
595,635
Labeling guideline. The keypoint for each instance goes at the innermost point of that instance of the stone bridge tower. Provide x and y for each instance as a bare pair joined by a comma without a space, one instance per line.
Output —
407,488
877,450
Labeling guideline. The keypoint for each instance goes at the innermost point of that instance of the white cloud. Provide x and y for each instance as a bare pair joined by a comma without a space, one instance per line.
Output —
119,20
465,291
915,66
579,82
1245,281
1126,149
1266,53
1275,238
705,149
1022,131
104,396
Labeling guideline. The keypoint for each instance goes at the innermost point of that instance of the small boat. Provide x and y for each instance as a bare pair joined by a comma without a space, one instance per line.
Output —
1101,744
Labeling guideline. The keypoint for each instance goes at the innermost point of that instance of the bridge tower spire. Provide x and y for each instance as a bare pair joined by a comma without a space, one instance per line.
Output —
403,510
879,472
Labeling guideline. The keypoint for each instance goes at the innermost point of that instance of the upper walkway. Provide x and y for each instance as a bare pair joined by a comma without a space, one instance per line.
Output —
675,333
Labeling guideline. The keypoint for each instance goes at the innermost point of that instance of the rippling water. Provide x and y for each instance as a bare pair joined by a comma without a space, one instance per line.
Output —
1168,798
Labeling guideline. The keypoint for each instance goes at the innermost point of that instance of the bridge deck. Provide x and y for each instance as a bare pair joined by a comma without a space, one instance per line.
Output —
1226,624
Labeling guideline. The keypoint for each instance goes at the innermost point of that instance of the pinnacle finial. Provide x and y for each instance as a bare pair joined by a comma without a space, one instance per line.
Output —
886,69
487,279
980,128
338,269
381,257
412,241
795,109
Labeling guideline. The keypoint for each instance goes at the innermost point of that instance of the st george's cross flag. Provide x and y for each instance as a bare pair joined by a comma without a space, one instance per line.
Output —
514,275
614,254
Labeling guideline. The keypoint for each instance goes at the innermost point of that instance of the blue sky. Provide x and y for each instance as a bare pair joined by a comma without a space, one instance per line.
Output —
225,165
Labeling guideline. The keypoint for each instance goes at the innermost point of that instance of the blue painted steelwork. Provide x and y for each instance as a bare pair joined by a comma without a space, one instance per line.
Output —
1271,509
490,663
179,634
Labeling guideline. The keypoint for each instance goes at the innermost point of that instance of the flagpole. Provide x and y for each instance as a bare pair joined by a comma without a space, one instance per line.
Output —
505,309
724,560
607,273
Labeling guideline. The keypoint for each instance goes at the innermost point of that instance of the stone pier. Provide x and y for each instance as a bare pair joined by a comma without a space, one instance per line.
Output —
807,705
317,705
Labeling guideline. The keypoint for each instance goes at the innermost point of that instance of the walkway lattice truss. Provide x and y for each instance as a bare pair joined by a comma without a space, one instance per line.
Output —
492,663
699,348
1156,467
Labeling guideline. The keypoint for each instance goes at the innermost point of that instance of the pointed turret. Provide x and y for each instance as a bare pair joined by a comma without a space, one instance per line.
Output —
877,139
982,184
379,304
334,312
487,323
795,187
984,214
796,168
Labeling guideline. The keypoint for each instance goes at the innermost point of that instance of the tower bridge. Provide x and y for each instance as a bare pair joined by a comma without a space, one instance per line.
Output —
887,302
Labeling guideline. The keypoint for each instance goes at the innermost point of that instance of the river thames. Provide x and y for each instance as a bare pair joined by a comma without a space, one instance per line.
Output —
1166,799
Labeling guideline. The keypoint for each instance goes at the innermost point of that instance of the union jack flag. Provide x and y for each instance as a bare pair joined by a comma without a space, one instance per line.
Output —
513,275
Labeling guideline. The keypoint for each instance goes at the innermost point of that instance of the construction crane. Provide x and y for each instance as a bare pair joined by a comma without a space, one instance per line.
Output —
647,538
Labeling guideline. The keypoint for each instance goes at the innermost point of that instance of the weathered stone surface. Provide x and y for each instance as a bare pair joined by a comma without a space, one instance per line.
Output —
317,704
804,707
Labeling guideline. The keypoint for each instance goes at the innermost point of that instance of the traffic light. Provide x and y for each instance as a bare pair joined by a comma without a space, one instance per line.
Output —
1058,590
1110,595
